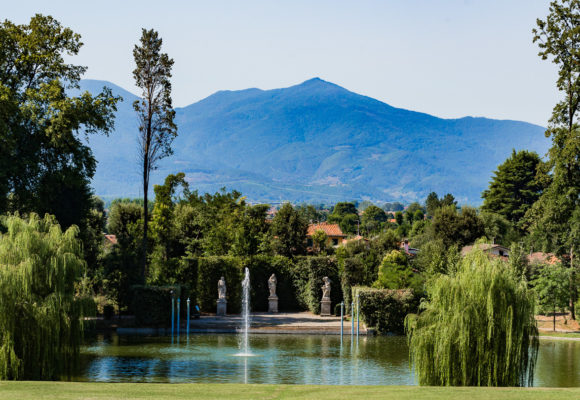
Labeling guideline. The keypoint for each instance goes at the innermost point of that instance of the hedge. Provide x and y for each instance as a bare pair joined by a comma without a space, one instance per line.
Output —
209,272
261,268
307,276
152,304
386,309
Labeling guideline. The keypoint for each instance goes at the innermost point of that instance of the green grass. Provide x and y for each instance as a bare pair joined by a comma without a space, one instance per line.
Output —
560,334
110,391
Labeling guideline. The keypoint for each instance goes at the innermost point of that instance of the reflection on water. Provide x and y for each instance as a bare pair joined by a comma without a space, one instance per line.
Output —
288,359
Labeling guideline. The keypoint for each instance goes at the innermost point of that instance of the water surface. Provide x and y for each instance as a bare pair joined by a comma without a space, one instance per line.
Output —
291,359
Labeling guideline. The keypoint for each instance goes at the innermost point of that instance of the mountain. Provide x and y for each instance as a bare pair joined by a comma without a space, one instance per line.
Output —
315,141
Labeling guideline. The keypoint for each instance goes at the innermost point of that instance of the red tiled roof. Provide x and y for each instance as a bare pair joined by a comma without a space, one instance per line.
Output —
329,229
112,239
543,258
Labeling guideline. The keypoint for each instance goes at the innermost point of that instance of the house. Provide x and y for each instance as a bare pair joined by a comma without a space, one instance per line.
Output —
492,249
410,251
539,257
110,240
333,232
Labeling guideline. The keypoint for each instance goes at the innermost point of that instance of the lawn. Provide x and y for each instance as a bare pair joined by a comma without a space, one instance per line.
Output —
567,335
110,391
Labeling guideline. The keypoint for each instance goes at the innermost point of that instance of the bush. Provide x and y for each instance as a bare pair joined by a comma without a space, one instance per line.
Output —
209,272
152,304
386,309
307,277
261,268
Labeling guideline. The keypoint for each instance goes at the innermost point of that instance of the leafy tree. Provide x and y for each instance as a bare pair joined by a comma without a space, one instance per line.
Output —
121,263
433,202
476,329
418,215
552,286
346,216
399,217
349,223
373,219
396,273
456,228
435,259
498,228
41,311
45,166
343,208
514,187
319,239
311,214
552,216
289,232
155,112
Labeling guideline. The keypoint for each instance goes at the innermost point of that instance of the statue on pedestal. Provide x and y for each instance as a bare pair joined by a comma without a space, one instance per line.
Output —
325,303
326,288
272,299
272,285
222,288
221,301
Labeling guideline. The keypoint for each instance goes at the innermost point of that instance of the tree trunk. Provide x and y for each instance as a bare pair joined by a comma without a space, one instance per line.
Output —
554,318
573,289
145,217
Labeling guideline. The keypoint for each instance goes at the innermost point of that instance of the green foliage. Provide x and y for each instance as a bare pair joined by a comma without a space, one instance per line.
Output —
42,302
261,268
433,202
121,263
289,232
152,304
435,259
514,187
373,219
346,216
45,164
307,277
319,239
498,229
477,328
399,217
210,270
385,309
396,273
455,228
552,288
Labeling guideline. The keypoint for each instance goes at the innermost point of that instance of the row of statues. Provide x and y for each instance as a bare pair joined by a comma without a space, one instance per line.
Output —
273,298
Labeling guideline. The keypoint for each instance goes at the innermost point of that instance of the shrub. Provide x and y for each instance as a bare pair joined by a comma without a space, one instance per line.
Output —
307,276
152,304
261,268
386,309
209,272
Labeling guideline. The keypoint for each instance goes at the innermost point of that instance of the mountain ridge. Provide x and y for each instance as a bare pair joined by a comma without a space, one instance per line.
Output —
315,141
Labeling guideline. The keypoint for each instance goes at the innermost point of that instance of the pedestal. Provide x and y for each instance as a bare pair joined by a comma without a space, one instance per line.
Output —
325,307
273,304
221,307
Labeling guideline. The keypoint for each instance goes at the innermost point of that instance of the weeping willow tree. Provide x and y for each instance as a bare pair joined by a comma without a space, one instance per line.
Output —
41,311
477,328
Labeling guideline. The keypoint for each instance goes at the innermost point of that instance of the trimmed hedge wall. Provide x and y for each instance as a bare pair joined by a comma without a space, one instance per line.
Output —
307,277
299,285
261,268
209,272
386,309
152,304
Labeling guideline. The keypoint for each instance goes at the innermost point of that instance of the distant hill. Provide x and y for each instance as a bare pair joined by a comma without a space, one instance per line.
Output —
315,142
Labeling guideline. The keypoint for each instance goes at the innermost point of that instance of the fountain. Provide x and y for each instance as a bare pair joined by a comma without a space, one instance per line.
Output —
244,339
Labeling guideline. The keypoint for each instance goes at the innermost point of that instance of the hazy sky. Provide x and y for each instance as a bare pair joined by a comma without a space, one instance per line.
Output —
449,58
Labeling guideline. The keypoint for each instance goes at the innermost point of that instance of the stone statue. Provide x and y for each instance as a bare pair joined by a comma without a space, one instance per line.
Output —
222,288
326,288
272,285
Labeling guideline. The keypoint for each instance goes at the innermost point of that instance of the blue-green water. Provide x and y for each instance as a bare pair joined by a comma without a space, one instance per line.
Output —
292,359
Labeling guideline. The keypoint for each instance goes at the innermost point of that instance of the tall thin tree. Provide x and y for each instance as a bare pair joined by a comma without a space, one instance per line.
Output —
156,126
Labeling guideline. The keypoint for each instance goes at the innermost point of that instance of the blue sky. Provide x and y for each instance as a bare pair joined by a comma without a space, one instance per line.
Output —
449,58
